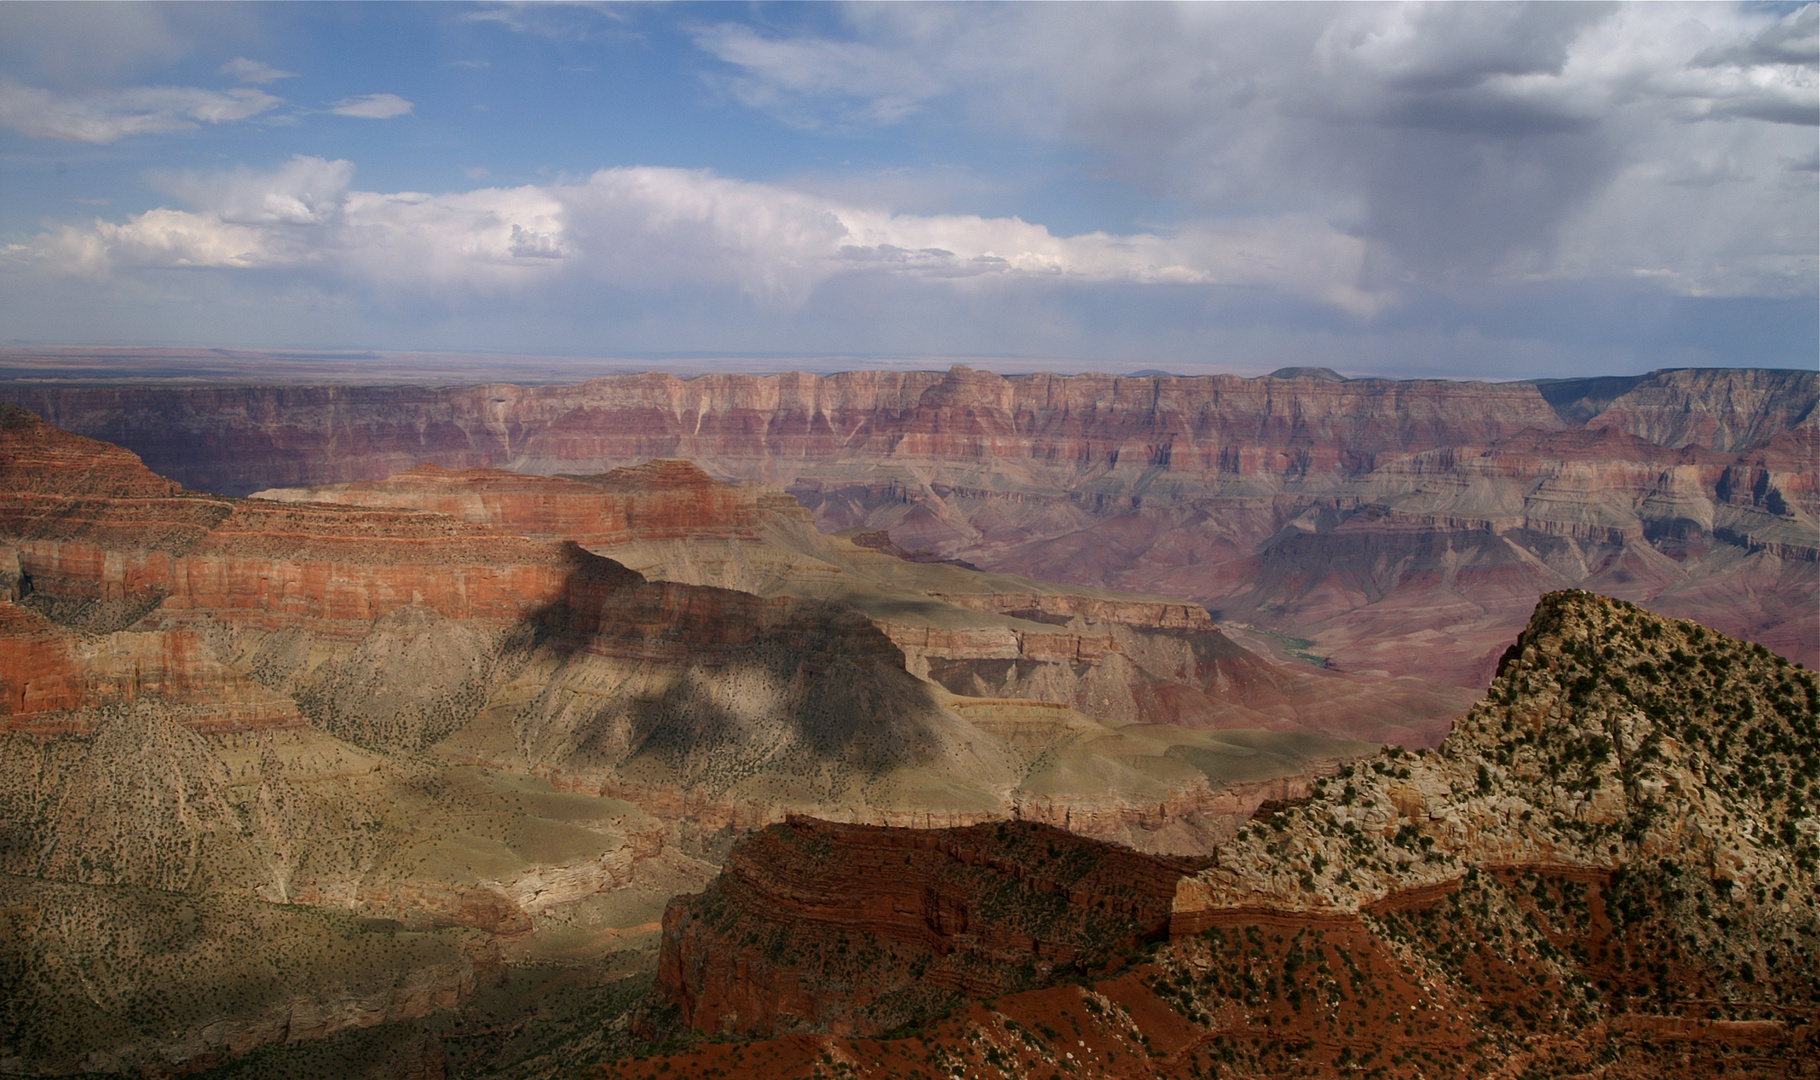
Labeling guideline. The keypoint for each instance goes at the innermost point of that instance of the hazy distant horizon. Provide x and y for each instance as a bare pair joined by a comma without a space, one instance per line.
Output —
26,363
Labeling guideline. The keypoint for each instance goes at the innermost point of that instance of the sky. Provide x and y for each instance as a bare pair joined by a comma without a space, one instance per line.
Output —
1467,189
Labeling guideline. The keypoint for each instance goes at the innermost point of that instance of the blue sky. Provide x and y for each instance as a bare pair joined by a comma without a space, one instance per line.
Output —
1470,189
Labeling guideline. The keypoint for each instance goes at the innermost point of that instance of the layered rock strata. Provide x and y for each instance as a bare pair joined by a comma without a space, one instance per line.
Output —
1371,522
1117,657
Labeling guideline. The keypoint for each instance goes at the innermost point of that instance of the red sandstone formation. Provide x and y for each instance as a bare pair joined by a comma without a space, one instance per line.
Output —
123,534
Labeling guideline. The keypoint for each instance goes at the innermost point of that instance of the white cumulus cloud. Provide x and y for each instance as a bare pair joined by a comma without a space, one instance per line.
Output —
648,229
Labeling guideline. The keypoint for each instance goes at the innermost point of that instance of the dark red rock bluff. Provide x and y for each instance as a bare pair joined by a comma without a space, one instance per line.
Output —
853,928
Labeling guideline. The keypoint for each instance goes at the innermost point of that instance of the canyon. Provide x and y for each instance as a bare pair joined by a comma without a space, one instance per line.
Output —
1396,527
452,727
1117,658
895,722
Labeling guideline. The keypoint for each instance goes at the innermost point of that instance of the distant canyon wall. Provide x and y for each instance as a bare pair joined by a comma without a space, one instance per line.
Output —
1370,524
1112,430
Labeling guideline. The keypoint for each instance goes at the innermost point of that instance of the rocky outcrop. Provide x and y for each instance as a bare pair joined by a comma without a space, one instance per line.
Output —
1608,868
1610,738
857,929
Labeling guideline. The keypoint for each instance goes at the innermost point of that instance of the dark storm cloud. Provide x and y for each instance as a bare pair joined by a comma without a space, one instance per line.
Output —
1468,143
1450,47
1793,40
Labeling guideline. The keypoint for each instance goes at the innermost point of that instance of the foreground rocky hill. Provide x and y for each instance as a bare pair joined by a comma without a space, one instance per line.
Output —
1375,525
1609,868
